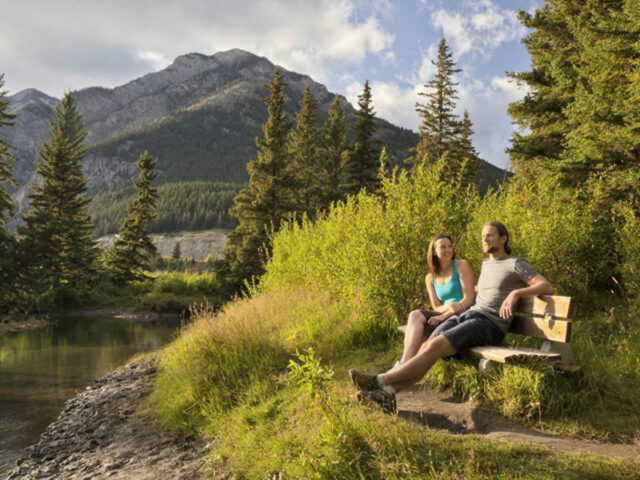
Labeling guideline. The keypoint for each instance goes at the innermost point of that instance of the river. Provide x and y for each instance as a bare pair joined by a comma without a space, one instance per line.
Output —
41,369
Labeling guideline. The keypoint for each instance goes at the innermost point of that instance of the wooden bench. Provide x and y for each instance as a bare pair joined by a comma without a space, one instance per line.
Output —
547,317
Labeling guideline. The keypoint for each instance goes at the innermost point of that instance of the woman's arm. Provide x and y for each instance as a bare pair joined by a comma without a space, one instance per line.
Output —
436,304
468,285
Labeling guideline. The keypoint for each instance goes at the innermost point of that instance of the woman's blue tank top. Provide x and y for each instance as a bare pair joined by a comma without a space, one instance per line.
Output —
450,291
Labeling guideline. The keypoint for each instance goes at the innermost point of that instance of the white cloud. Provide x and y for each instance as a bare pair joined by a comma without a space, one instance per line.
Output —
58,44
481,28
487,104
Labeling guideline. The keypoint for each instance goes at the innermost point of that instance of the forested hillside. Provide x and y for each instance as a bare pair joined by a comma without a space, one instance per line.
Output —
193,205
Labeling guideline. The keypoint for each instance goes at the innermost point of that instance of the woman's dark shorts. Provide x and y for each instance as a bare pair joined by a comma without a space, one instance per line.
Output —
469,329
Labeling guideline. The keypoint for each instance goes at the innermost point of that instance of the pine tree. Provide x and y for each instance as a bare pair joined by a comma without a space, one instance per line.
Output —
439,124
265,203
176,254
7,242
133,250
56,236
551,83
362,167
304,150
334,156
466,161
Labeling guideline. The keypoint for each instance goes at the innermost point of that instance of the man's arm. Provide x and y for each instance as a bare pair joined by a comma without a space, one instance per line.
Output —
538,285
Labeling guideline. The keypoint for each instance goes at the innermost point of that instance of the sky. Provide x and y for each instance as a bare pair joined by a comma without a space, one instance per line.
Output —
61,45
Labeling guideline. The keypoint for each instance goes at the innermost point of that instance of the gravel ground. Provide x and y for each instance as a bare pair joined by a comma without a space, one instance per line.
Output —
98,435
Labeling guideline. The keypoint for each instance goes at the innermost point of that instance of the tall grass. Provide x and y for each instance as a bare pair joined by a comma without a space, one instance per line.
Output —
341,285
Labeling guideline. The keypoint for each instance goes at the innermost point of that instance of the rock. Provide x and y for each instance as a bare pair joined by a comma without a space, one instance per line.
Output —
98,435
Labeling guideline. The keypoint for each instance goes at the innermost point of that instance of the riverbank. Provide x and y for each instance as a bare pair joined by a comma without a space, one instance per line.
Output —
21,323
102,434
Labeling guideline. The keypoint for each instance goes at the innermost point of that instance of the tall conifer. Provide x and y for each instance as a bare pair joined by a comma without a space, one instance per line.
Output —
362,166
551,88
335,155
304,149
265,203
438,122
57,241
7,242
580,111
133,250
465,155
441,131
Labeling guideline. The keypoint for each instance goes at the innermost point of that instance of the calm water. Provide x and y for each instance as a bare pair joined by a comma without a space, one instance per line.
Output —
41,369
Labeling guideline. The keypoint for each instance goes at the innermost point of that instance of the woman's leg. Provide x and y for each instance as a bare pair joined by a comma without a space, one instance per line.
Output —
413,336
411,372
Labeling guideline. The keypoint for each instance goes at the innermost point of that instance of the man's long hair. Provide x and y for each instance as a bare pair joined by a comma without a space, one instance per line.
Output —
432,258
502,231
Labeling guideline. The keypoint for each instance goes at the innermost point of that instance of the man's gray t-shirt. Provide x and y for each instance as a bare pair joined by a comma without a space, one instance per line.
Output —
498,278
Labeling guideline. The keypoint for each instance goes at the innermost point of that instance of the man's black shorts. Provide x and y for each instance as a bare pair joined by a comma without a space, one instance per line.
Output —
469,329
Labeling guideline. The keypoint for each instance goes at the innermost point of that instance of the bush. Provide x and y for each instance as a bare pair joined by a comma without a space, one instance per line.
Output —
371,251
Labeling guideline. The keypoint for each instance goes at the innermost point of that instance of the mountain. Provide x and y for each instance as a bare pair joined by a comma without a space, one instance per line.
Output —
200,116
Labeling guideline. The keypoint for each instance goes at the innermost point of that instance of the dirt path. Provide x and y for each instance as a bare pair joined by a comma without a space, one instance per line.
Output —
441,410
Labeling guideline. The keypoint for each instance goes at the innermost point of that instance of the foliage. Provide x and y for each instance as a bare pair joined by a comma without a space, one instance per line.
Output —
441,132
580,109
133,249
372,252
56,246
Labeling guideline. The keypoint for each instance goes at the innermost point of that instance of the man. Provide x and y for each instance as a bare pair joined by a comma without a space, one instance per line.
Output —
504,279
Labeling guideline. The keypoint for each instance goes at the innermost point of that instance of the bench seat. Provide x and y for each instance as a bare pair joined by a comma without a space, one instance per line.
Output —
546,317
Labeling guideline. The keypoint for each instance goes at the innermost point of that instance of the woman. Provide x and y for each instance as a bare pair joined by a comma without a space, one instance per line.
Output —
451,291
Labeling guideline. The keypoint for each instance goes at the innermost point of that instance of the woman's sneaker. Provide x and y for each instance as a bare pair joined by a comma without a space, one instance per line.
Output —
364,381
380,398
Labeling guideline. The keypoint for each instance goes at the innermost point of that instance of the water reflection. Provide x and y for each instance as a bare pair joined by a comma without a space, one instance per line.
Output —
41,369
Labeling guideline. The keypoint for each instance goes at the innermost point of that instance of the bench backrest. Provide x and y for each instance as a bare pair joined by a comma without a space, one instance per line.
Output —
547,317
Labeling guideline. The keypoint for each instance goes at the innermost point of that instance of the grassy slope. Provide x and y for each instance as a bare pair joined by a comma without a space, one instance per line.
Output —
229,373
342,284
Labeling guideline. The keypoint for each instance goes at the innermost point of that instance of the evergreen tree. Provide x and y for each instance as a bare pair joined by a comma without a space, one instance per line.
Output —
304,150
59,251
551,88
133,250
265,203
582,107
441,131
334,156
362,167
7,242
466,158
176,254
439,124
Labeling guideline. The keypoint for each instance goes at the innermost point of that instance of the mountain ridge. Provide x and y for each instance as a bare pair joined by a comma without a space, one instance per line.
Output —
200,116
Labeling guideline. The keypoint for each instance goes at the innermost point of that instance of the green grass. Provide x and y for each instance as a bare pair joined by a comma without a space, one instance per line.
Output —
341,285
229,372
161,292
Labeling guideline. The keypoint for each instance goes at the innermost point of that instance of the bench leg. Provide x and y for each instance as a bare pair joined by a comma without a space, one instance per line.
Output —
486,366
562,348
